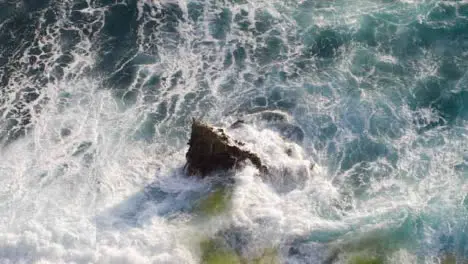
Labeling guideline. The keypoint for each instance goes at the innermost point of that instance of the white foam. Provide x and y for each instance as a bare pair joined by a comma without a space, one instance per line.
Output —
80,198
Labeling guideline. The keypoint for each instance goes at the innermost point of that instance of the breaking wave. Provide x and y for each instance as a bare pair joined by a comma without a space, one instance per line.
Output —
368,98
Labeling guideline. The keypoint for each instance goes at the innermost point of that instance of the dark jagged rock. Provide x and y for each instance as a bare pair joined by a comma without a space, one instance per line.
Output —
211,149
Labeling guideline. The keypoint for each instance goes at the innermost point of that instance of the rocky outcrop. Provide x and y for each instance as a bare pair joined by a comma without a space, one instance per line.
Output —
211,149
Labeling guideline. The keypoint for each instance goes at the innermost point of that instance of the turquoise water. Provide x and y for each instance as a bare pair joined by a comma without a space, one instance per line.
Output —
96,102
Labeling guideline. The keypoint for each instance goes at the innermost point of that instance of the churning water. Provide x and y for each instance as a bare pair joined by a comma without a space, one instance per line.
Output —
96,100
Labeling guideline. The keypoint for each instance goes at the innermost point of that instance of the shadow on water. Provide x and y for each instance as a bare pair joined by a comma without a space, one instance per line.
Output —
175,196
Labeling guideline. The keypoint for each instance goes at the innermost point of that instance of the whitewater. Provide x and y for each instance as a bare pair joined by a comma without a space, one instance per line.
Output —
368,97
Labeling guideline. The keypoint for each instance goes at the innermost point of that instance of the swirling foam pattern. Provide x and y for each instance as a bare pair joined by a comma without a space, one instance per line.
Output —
96,98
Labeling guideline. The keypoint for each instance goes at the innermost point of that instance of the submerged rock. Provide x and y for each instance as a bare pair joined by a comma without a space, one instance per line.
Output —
366,260
211,150
449,259
215,203
278,121
214,252
224,249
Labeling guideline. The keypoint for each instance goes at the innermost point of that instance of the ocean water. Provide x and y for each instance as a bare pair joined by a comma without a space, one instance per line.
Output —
368,97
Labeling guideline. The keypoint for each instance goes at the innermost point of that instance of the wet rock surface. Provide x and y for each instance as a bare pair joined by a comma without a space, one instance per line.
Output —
211,149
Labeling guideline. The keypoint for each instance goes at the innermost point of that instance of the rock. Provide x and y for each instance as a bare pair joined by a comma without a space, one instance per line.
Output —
278,121
291,132
273,116
238,123
211,150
